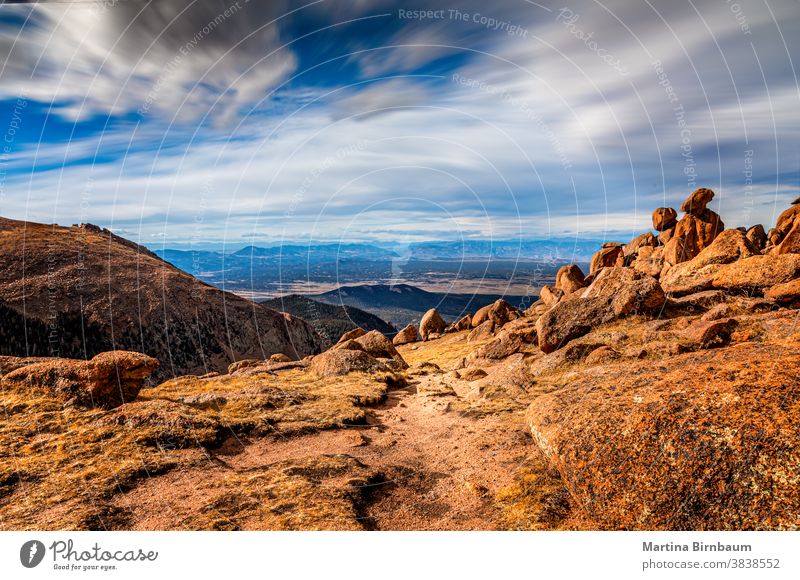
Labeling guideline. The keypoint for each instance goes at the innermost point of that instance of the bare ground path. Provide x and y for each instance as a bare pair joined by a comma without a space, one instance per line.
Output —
439,467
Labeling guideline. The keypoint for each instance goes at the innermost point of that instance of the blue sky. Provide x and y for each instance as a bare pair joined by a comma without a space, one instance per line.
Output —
211,121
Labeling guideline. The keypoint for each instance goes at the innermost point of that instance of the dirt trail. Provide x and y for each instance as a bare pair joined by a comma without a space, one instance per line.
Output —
440,467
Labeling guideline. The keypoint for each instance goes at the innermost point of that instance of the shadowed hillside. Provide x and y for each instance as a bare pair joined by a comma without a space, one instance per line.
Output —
79,291
328,320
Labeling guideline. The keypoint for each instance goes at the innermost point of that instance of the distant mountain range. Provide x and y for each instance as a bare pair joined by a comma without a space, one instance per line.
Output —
402,304
330,321
283,269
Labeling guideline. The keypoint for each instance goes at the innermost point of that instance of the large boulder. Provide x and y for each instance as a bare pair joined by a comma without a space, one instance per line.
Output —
499,312
107,380
701,441
570,319
408,335
757,273
352,335
378,346
614,293
464,323
627,291
784,293
606,257
698,273
549,295
431,323
664,218
757,236
570,278
336,362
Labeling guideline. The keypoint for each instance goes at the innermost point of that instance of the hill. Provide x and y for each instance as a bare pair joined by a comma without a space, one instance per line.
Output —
82,290
402,304
330,321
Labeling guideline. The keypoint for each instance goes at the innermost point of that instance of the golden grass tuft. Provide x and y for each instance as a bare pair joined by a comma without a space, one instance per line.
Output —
60,466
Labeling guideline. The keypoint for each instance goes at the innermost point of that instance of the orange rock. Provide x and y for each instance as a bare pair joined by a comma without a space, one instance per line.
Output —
698,273
499,312
701,441
710,333
336,362
646,240
601,355
107,380
431,323
550,296
570,278
606,258
784,293
756,273
692,235
408,335
697,201
757,236
378,346
664,218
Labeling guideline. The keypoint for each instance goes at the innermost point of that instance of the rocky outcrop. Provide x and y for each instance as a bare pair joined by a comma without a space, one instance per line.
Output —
431,323
698,273
757,273
107,380
500,312
406,336
615,292
378,346
337,362
701,441
695,231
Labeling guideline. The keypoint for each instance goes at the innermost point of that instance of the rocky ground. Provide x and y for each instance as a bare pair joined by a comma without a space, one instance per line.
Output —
657,392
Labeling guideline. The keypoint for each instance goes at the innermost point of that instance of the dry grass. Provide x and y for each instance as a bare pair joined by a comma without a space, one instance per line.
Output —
446,352
537,500
317,493
60,466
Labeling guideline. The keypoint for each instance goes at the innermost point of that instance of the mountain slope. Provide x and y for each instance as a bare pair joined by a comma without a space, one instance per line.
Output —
330,321
79,291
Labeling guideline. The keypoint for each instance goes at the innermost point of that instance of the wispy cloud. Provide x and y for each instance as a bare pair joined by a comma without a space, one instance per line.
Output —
336,118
